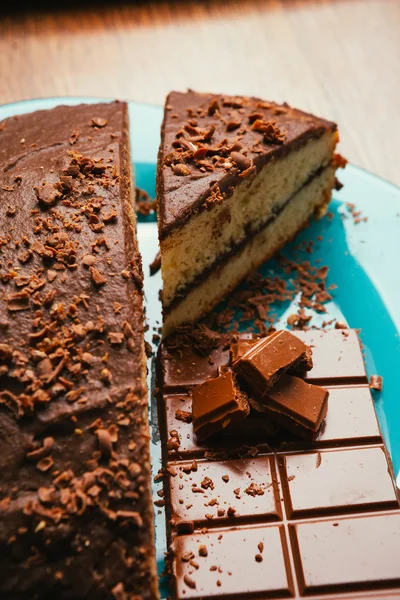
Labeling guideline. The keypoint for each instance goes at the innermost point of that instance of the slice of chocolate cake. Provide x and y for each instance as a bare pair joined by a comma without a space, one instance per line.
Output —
76,517
237,178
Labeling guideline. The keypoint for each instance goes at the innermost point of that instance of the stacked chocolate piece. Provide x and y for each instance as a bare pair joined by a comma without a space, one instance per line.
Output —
260,512
263,367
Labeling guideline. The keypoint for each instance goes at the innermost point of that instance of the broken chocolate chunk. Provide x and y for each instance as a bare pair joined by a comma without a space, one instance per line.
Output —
264,363
296,405
217,403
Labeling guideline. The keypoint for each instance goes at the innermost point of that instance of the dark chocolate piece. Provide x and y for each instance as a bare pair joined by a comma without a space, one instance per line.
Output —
264,363
76,518
216,404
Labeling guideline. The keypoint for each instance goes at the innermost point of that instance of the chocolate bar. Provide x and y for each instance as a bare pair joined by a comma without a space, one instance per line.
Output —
292,517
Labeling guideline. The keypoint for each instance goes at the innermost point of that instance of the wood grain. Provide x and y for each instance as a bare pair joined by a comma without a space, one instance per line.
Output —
336,58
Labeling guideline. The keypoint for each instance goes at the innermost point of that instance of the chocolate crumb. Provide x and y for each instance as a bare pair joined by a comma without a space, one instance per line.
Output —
97,277
189,582
183,415
375,383
99,122
203,550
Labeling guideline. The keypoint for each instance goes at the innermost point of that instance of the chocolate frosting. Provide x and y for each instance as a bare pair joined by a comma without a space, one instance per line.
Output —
210,143
75,505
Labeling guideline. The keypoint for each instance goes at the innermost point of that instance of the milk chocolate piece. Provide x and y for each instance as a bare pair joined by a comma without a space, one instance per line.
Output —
295,404
264,363
216,404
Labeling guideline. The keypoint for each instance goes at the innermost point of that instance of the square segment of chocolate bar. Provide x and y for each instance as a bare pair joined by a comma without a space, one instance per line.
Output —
244,563
337,481
218,493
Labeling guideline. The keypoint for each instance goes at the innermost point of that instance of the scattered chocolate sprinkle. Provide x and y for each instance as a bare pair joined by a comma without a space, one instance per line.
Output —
88,260
97,277
203,550
183,415
47,194
254,490
155,266
45,463
19,301
189,581
144,204
99,122
116,338
375,383
187,556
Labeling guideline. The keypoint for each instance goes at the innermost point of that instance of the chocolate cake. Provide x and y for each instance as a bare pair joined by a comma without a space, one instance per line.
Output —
76,517
237,177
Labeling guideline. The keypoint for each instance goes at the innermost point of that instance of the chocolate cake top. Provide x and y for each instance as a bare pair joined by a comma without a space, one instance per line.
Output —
75,505
211,143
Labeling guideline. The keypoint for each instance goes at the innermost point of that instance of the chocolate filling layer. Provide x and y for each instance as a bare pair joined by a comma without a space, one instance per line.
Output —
250,232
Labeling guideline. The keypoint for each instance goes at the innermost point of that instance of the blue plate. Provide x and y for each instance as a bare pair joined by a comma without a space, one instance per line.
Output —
361,257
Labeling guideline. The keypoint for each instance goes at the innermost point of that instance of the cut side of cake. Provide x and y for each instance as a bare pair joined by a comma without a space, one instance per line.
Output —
76,513
237,178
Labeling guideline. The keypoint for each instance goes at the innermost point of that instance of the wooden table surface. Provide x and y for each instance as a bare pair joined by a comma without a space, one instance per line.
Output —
337,58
